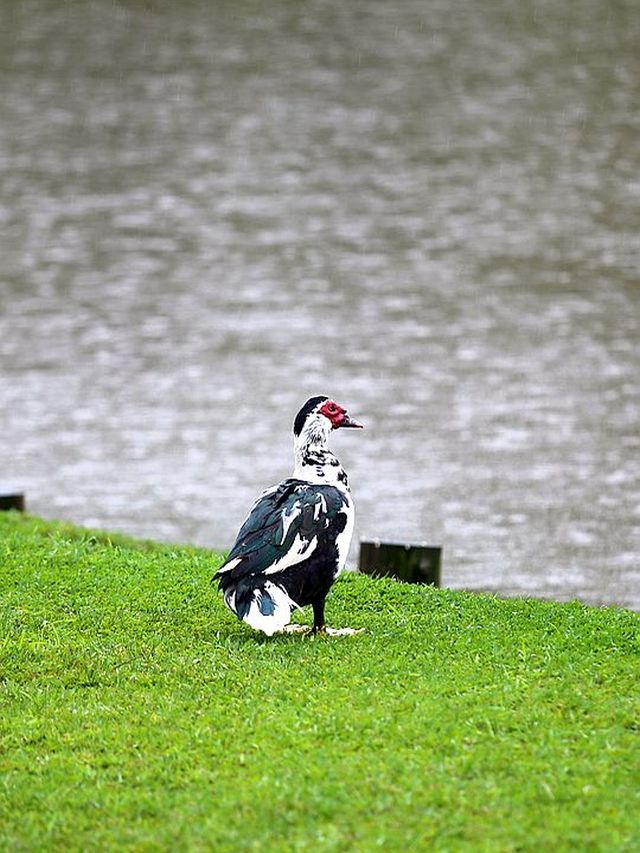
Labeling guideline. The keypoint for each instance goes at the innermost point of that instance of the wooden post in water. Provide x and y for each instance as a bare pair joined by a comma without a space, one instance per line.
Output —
12,500
411,563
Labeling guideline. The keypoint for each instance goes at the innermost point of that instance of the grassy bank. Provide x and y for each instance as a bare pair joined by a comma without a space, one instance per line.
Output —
137,713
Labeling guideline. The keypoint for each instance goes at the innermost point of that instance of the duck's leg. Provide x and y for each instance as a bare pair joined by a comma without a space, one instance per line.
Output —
318,615
318,620
320,628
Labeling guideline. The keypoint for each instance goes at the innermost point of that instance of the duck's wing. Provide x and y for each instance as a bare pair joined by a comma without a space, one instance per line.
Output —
283,528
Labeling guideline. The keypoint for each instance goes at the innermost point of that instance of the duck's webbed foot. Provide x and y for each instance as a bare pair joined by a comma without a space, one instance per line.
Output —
341,632
323,631
292,628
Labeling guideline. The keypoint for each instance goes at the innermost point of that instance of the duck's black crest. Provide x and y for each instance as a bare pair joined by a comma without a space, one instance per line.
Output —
308,407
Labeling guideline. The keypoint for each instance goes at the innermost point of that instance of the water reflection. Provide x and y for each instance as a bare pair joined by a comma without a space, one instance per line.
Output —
208,216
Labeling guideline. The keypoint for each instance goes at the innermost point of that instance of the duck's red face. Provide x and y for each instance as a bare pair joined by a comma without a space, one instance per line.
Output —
338,415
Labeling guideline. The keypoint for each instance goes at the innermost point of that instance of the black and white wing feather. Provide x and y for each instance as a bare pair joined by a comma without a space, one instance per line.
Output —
284,527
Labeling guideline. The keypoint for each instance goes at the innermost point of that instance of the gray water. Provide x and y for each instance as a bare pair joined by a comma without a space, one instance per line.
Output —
428,210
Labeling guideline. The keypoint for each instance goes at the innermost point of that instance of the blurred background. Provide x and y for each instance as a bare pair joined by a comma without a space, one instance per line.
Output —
430,211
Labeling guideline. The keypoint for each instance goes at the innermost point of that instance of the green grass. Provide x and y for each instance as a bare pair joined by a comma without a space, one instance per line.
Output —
137,713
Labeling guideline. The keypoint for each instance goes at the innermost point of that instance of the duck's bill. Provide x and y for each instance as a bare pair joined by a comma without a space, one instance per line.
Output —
351,422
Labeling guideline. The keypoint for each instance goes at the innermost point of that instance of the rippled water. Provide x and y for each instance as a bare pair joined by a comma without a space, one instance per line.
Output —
210,211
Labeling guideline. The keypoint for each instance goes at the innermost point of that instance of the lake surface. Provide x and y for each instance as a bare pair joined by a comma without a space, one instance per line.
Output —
431,211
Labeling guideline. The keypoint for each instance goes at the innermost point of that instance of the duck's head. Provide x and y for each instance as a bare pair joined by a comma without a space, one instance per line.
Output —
324,414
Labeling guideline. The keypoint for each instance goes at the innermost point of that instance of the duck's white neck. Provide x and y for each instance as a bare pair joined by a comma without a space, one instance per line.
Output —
313,461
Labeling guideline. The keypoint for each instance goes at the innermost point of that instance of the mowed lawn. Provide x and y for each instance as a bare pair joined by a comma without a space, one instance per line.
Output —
136,713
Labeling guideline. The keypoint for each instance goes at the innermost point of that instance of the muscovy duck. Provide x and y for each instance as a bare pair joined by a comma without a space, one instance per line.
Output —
296,537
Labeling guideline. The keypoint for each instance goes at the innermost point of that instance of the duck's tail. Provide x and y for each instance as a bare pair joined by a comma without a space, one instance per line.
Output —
263,604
